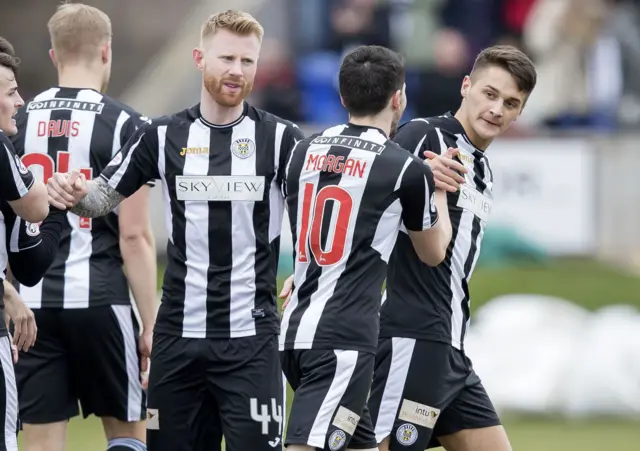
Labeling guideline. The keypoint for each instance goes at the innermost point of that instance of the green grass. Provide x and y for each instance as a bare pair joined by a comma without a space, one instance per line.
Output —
525,435
584,282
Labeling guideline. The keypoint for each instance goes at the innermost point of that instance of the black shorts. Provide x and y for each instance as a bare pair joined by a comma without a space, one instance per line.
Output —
423,390
8,399
88,356
202,388
329,409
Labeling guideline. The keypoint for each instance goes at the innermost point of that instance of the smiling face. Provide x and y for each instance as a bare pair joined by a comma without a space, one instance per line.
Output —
10,101
491,102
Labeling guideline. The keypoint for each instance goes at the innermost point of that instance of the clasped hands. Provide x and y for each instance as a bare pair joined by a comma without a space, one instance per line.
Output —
66,189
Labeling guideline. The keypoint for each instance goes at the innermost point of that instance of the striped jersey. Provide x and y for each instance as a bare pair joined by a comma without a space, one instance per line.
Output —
223,215
432,303
349,191
15,182
63,129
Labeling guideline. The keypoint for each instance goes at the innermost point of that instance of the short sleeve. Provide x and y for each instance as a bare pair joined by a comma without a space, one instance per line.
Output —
291,136
15,178
23,235
129,129
136,163
417,197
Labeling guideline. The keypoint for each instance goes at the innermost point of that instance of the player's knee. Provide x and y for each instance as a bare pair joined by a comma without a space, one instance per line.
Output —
116,429
300,448
44,437
492,438
384,445
126,444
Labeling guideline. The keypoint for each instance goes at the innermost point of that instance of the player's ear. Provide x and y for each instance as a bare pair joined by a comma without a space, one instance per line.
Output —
52,55
466,85
396,100
342,101
105,52
198,58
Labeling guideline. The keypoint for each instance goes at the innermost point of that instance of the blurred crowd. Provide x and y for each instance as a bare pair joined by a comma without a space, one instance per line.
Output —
587,53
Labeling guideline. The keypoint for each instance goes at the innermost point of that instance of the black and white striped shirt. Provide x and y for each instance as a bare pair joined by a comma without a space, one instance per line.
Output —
63,129
432,303
223,213
15,182
349,190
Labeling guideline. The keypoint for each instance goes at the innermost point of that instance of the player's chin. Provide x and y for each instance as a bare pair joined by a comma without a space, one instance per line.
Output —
487,130
230,100
9,127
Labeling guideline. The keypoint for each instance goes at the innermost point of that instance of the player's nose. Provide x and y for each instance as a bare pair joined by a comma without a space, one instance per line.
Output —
20,102
236,69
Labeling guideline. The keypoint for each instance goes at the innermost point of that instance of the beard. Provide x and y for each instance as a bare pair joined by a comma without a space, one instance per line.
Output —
215,87
394,128
394,123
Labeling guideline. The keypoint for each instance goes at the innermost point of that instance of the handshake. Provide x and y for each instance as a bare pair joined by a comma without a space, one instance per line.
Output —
66,189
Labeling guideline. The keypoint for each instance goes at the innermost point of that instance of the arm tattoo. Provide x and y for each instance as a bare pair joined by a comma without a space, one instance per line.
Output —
99,201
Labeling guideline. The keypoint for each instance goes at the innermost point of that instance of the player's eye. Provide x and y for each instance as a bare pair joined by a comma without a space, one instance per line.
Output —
247,61
491,95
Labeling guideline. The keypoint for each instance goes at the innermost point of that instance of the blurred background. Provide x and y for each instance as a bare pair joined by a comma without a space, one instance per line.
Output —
555,331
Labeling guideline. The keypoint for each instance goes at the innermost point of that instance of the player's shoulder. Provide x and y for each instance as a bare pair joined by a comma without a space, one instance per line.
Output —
259,115
180,119
120,107
421,126
5,141
396,153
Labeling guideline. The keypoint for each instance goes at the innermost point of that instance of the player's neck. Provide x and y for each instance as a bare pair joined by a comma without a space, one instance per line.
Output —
79,77
214,113
372,121
477,141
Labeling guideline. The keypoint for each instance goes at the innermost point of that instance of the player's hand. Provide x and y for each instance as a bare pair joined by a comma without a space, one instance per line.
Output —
144,346
66,190
446,171
25,329
287,290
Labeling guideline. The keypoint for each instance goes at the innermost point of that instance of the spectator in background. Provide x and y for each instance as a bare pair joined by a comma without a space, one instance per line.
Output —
515,14
578,63
463,29
275,87
358,22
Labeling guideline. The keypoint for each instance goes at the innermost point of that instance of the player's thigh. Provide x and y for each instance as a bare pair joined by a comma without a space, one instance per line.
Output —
329,403
246,381
106,357
491,438
45,384
8,399
413,381
179,411
470,422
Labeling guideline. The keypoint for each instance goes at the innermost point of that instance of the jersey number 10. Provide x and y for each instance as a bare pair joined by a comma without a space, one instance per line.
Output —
311,227
49,167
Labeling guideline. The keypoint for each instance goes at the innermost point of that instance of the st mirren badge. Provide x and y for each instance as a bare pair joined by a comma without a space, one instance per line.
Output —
243,148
